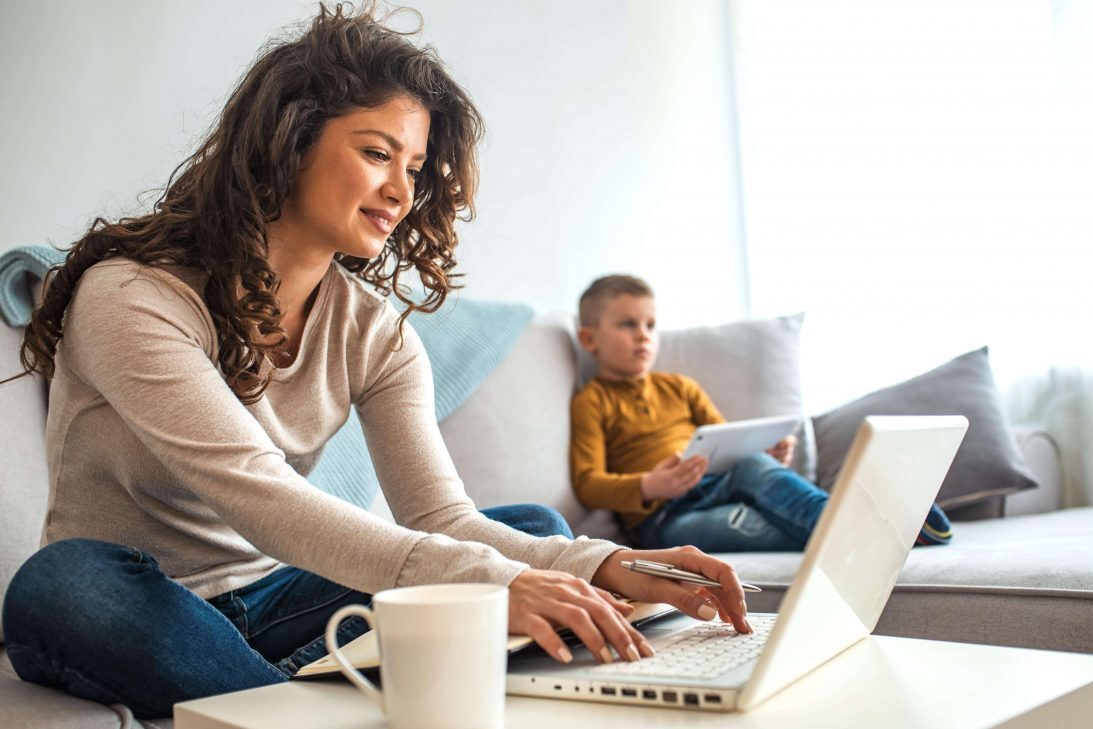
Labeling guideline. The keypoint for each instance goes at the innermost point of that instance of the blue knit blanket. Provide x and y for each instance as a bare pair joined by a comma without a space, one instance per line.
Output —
20,270
465,340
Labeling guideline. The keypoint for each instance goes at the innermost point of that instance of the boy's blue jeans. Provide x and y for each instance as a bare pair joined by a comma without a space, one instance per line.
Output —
758,506
104,623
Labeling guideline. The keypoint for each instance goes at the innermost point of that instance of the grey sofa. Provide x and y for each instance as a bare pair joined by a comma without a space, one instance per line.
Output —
1022,579
1019,571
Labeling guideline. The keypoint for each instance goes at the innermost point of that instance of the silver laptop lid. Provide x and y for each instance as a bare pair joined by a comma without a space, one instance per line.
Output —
884,491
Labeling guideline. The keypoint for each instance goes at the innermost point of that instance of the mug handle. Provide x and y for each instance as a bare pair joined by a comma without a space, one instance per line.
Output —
346,667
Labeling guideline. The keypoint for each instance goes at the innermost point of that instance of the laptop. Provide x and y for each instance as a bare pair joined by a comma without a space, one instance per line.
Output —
890,477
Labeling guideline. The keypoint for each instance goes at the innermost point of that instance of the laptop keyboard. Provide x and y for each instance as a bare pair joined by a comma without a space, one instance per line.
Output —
704,651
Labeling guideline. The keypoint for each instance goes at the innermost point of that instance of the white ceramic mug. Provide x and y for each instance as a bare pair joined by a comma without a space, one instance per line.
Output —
442,654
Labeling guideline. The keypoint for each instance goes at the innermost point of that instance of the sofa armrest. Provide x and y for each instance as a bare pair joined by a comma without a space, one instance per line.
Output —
1041,453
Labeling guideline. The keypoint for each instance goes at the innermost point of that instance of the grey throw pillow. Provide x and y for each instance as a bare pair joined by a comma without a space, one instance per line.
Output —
988,463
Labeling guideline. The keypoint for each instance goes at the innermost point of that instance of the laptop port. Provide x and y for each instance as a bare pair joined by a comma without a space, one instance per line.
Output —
670,696
690,699
632,693
608,690
712,698
649,694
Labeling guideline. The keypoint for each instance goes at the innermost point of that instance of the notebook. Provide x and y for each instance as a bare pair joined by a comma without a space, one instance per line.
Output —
363,651
889,479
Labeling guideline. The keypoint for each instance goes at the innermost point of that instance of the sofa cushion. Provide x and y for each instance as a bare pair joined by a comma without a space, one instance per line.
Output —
988,463
750,369
990,585
29,705
510,440
24,478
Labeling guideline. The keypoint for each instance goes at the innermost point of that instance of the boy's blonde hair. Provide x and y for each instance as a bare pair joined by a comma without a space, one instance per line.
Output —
603,290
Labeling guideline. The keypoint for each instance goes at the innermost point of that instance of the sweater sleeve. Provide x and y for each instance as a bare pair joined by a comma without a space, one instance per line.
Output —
424,491
595,486
702,408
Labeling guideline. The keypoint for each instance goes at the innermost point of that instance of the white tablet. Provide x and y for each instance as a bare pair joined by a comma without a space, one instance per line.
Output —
726,443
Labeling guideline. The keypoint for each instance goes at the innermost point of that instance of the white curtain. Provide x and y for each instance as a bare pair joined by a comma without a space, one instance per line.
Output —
918,177
1059,397
1061,402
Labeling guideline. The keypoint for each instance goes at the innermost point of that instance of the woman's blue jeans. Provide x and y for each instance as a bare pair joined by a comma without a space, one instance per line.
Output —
758,506
103,622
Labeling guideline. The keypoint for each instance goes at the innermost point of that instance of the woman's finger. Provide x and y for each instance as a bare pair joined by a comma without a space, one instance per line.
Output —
616,631
578,620
638,640
690,601
543,633
728,600
622,606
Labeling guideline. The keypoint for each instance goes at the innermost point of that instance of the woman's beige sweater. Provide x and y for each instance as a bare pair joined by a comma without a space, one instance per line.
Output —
149,448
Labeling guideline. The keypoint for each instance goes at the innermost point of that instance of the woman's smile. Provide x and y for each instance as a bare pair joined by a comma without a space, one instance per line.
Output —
382,221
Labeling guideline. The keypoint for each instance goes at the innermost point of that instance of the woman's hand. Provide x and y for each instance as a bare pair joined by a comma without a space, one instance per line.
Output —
540,601
673,477
697,601
782,451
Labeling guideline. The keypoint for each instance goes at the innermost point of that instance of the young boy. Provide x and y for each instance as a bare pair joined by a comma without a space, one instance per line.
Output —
630,424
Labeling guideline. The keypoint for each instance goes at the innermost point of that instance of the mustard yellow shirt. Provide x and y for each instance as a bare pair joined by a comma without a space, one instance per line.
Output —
622,428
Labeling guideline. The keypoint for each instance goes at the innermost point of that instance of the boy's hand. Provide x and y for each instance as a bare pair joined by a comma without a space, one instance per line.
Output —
673,477
783,449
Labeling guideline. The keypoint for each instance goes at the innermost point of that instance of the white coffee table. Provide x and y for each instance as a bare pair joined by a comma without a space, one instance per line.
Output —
879,682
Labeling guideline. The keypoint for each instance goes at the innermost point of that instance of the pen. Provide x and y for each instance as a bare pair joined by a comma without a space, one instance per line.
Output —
671,572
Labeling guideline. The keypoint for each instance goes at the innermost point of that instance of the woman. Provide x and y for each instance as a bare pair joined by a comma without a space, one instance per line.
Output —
201,356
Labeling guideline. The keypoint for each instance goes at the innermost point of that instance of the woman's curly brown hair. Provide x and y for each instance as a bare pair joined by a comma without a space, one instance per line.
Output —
214,212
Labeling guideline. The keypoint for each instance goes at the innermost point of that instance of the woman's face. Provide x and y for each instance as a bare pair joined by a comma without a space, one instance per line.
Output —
356,183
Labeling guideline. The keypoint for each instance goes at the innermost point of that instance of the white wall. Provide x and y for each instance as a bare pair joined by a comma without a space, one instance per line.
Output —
610,141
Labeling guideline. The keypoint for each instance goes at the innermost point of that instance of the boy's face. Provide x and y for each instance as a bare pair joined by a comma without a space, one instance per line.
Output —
624,341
